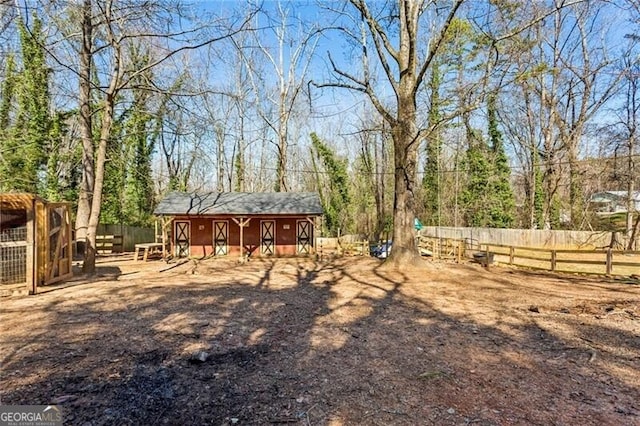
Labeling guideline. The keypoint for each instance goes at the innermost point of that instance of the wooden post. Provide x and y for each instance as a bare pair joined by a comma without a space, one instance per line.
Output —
241,223
486,258
32,287
459,258
609,262
511,254
69,241
241,239
553,260
312,240
164,239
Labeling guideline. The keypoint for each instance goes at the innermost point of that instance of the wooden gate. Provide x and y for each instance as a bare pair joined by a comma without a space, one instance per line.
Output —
35,241
267,237
58,243
304,236
183,232
220,237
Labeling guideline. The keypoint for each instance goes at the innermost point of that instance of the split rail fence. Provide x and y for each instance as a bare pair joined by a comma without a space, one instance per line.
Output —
606,262
597,262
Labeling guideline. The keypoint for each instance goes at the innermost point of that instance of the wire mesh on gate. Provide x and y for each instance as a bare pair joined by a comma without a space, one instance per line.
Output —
13,265
13,255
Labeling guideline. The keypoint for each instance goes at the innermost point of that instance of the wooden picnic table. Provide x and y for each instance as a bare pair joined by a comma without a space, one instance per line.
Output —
148,248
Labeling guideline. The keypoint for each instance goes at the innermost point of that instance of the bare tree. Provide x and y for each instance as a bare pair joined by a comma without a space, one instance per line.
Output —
628,121
289,60
404,65
587,80
118,24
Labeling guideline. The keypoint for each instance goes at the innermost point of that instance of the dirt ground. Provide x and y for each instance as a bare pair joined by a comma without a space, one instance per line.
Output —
340,342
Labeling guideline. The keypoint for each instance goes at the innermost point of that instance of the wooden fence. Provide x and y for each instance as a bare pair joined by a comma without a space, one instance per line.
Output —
597,262
522,237
594,262
442,248
122,238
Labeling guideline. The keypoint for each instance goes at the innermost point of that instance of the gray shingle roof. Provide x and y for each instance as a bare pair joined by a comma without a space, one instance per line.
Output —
240,203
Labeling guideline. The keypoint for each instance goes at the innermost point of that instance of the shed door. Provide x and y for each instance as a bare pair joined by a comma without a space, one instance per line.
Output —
183,231
220,235
268,237
304,236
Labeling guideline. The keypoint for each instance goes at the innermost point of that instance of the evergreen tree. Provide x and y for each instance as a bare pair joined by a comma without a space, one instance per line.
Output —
474,196
336,199
363,198
128,196
7,94
538,192
431,180
26,135
115,174
502,205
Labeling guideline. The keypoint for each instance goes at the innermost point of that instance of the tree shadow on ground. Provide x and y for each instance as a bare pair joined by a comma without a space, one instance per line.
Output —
283,341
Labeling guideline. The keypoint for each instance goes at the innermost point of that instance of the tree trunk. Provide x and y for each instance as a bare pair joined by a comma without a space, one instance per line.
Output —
404,249
220,142
576,196
86,187
89,263
281,185
379,179
110,95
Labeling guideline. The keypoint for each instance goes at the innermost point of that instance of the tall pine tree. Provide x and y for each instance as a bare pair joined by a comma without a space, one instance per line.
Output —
431,180
475,195
503,204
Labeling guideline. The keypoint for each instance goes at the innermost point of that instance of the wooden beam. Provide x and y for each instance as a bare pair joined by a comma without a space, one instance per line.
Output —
32,288
313,221
242,223
166,222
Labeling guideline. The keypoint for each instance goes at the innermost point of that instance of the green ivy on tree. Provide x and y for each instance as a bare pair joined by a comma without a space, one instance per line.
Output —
335,199
502,201
431,179
25,136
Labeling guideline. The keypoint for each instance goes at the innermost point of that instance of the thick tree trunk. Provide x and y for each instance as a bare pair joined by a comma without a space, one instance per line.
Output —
379,187
110,95
86,187
405,145
89,264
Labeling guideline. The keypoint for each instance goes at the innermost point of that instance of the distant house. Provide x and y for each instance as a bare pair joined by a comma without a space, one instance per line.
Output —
613,201
240,223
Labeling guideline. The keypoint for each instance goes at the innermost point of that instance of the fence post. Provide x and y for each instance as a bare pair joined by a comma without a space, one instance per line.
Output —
459,245
486,253
553,260
609,261
511,252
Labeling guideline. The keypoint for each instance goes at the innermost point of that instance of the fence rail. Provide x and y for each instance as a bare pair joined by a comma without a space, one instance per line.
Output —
597,262
122,238
560,239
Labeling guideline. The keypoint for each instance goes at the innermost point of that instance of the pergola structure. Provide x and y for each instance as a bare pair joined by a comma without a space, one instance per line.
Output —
35,241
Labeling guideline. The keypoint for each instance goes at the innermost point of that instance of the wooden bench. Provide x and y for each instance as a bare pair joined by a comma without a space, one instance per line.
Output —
148,248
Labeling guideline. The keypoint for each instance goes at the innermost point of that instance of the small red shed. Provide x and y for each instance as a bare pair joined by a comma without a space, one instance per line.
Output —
240,223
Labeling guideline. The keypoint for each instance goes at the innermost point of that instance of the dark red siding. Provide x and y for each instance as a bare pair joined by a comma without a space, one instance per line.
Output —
202,235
